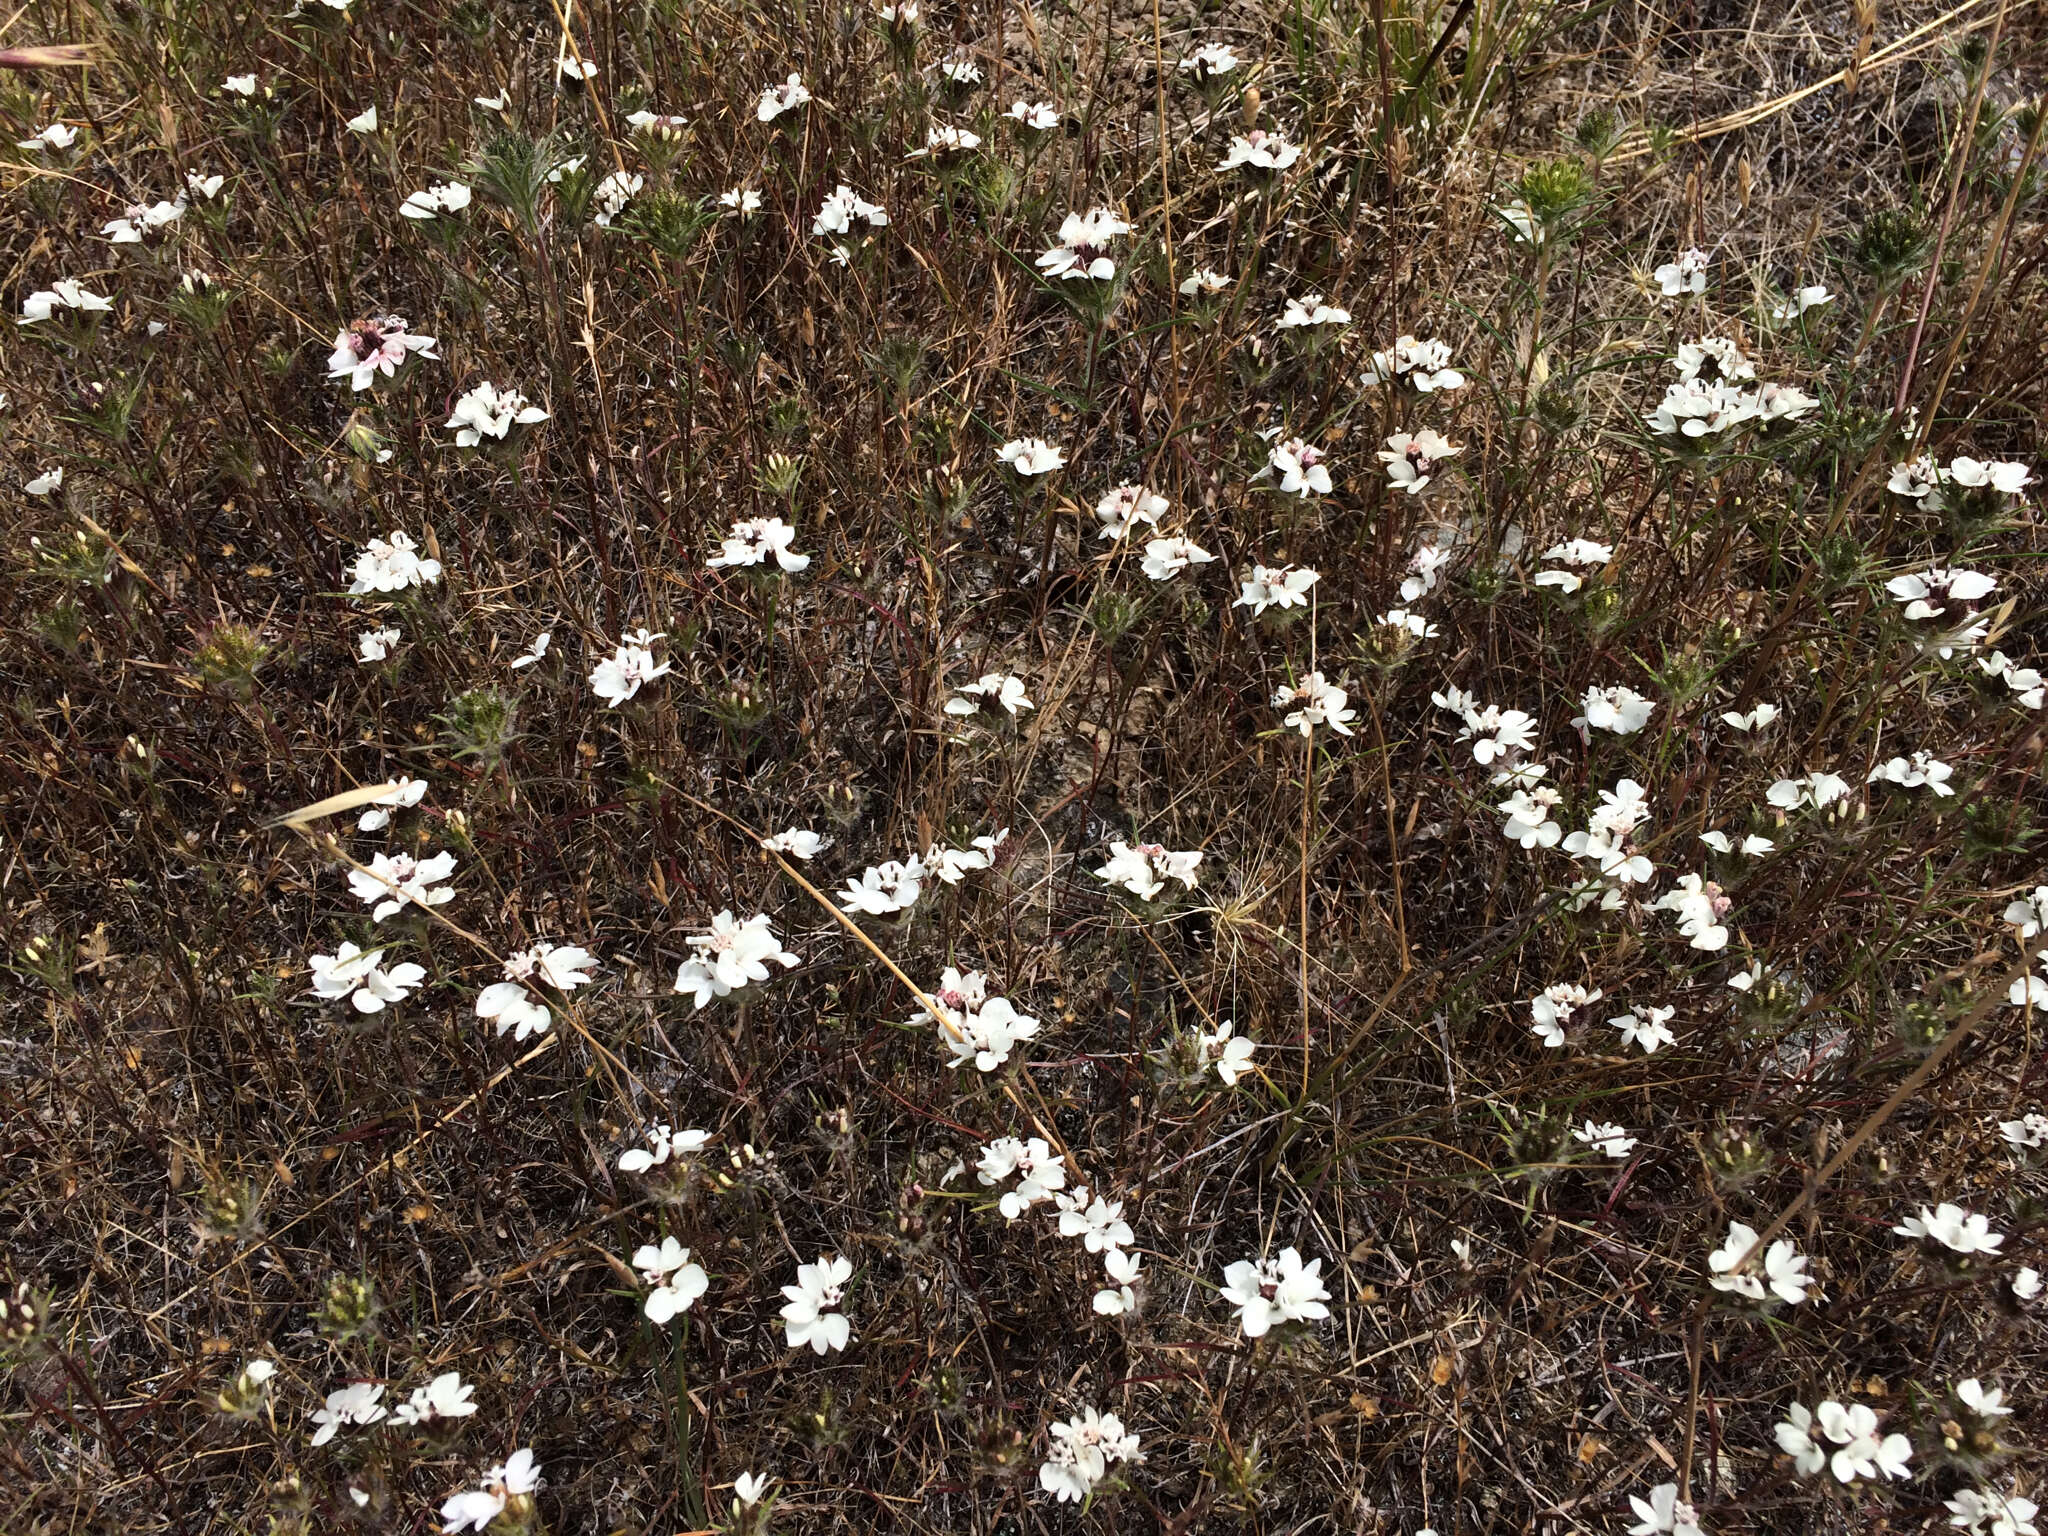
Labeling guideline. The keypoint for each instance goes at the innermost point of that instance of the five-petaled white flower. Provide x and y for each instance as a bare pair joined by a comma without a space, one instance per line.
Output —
1284,586
1082,250
1950,1226
1144,869
812,1316
887,888
784,97
1646,1027
676,1282
1782,1266
1270,1291
397,880
992,687
797,842
1166,558
511,1004
487,411
620,676
354,1404
1311,310
1607,1139
432,202
1127,507
391,565
1041,1172
403,793
1031,456
1299,464
730,956
753,540
1080,1453
1315,701
377,346
1688,274
1425,365
1259,150
447,1396
1227,1051
1664,1513
841,207
360,976
663,1143
1413,460
513,1478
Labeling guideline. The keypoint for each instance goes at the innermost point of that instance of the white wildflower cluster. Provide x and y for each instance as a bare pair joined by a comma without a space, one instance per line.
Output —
974,1026
1713,395
731,956
1144,868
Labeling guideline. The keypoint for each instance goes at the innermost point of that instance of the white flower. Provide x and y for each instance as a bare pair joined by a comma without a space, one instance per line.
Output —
364,121
1301,469
1619,709
1920,480
986,1035
355,1404
1269,1291
1784,1268
2000,475
1802,300
1143,870
1038,116
1412,624
676,1281
1082,250
2029,915
952,865
396,880
2026,683
1424,364
1230,1053
2026,1285
392,565
239,85
143,220
430,202
1985,1402
1688,274
535,652
811,1316
945,140
748,1487
56,136
1752,720
1495,733
1320,701
1819,790
1099,1223
1551,1009
1127,507
1043,1172
1578,552
359,975
1921,770
515,1477
378,345
1528,818
754,539
511,1006
48,481
65,293
1118,1298
613,193
841,208
778,99
741,202
997,687
959,69
621,675
1412,460
1953,1228
663,1143
1698,408
492,103
1862,1454
1928,594
2025,1134
885,889
1647,1027
1165,558
1031,456
376,644
1700,907
447,1396
1311,310
404,793
1979,1512
1608,1140
1209,61
1081,1452
1282,587
1664,1513
1794,1434
797,842
1427,562
1714,357
730,956
486,411
1203,280
1261,151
